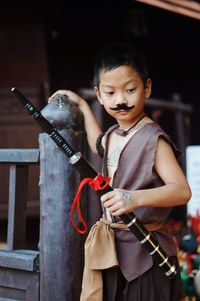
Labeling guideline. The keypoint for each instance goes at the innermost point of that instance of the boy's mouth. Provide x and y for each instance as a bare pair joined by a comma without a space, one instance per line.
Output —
122,107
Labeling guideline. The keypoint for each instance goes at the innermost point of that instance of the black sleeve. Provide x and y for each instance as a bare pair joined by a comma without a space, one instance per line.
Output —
99,145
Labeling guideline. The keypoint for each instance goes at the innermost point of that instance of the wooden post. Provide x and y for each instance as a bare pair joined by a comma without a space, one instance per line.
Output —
61,247
19,161
179,124
18,187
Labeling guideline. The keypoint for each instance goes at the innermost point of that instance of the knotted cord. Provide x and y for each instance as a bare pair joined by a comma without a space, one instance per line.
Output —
95,184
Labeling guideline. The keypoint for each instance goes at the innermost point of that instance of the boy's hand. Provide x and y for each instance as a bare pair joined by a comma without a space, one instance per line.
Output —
72,96
118,201
91,125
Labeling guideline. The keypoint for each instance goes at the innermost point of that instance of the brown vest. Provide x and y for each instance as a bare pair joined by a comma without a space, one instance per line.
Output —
136,171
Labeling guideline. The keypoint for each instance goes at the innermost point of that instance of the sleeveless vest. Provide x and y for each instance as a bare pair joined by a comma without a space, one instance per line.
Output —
136,171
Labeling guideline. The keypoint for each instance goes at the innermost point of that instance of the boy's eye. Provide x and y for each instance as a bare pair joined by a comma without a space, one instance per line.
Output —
131,90
109,93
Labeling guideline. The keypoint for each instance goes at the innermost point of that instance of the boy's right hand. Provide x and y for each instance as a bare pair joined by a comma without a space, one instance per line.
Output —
72,96
91,126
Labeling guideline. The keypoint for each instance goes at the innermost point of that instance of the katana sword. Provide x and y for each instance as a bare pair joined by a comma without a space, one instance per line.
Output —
86,170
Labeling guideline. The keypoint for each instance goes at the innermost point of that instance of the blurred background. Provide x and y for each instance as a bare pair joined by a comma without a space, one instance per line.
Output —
50,45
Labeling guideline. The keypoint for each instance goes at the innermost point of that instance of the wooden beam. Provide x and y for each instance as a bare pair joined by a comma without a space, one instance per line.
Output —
184,7
19,156
191,5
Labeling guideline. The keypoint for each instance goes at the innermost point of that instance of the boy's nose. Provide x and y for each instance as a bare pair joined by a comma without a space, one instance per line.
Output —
120,99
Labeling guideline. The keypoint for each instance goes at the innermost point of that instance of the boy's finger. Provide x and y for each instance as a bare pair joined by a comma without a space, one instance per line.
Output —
107,196
60,92
50,97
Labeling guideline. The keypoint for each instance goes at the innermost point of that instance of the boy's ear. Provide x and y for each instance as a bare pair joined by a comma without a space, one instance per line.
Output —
148,88
98,95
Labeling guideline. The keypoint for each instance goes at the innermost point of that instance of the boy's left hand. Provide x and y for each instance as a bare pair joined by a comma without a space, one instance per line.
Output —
118,201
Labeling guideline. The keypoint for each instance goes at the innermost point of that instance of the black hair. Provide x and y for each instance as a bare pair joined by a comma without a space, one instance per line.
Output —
120,54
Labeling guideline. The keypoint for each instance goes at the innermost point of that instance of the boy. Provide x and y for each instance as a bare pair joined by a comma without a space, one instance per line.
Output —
147,179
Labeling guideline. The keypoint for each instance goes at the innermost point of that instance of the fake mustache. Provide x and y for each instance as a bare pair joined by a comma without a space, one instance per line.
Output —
122,107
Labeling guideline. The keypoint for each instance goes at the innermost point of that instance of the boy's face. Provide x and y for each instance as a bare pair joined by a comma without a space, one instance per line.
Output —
123,86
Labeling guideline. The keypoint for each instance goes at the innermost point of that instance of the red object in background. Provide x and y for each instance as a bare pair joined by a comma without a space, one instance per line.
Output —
195,223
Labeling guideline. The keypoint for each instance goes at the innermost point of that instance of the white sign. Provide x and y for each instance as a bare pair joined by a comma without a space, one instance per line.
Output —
193,177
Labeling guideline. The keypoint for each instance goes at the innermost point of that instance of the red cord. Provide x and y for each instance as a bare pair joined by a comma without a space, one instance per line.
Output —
96,185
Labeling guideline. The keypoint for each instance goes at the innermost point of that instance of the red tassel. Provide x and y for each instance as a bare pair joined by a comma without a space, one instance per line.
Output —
96,185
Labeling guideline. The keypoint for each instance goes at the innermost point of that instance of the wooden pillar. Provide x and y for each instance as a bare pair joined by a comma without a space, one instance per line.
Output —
18,188
61,247
182,125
